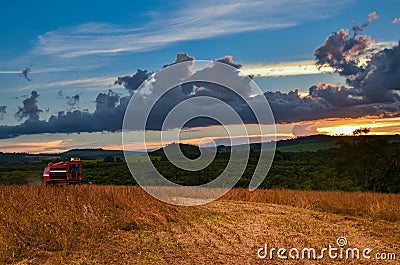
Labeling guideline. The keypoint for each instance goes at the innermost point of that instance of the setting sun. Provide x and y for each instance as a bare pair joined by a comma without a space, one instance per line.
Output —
378,126
340,130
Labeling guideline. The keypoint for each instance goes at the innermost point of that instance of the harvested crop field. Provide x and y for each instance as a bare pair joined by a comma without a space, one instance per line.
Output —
124,225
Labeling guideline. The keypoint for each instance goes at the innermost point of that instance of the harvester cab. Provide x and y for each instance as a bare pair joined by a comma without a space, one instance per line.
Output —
60,173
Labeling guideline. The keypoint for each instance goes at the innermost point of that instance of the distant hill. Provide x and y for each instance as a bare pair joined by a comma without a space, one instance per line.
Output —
314,143
11,158
95,153
310,143
188,150
87,154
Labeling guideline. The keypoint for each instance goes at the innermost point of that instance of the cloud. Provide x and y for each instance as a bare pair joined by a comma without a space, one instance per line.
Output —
372,89
25,73
87,83
110,106
9,72
342,50
184,21
396,20
37,147
379,81
71,101
359,29
229,61
30,109
132,82
106,101
304,129
109,119
3,111
291,107
108,115
306,67
180,58
338,96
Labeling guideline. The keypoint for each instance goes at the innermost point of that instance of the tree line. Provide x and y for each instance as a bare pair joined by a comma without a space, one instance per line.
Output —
363,163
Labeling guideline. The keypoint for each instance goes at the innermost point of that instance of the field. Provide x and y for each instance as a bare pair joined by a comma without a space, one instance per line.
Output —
124,225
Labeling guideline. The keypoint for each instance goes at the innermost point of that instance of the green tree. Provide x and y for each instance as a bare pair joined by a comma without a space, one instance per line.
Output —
109,159
368,163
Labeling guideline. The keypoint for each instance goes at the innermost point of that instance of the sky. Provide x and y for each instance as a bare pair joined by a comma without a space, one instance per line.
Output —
69,68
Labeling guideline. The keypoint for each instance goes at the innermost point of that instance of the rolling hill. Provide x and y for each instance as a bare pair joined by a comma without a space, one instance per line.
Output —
310,143
87,154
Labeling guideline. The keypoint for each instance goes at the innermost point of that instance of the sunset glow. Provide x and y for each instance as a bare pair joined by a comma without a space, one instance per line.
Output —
34,147
203,136
340,129
378,126
286,69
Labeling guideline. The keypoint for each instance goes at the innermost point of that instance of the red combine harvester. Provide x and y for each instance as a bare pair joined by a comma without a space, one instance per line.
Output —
61,173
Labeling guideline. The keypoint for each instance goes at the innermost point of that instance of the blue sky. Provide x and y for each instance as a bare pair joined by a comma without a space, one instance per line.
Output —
81,47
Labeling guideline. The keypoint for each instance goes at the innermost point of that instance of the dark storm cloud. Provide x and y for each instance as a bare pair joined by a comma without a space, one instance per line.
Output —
291,107
341,50
338,96
108,116
30,109
216,74
177,95
106,101
375,84
3,111
379,81
371,89
132,82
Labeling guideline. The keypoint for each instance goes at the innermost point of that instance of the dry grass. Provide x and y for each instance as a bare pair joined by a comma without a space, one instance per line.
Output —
124,225
39,221
376,206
